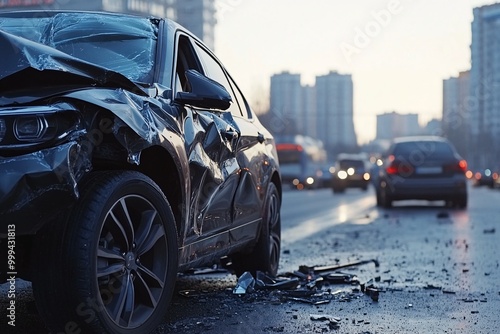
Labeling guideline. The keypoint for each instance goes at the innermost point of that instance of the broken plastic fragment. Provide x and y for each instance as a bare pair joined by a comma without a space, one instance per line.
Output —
336,278
264,281
300,293
333,322
324,317
310,301
317,269
188,293
245,284
373,293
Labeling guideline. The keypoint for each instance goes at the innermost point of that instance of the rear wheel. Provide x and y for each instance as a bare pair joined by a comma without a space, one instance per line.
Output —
461,202
116,258
379,198
266,253
385,199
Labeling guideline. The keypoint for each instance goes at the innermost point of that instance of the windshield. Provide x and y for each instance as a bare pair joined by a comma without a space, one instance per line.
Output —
429,149
345,164
122,44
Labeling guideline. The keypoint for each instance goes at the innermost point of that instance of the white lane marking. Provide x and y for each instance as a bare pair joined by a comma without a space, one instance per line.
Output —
342,213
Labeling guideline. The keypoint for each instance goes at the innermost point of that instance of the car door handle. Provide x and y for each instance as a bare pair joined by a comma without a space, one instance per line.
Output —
260,137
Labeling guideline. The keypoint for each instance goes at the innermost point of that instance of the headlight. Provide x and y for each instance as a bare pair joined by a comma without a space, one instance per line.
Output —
342,174
30,128
310,180
3,129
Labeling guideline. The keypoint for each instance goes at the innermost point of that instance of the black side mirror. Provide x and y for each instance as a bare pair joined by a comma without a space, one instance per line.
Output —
205,92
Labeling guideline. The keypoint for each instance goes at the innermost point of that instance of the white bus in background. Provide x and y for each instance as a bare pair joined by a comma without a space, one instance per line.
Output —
302,162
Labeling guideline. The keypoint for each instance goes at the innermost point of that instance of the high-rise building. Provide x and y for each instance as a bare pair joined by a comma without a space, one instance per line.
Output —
310,119
433,128
199,17
392,125
287,102
484,97
159,8
334,109
456,115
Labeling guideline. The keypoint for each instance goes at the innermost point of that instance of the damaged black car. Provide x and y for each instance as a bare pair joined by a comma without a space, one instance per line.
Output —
128,154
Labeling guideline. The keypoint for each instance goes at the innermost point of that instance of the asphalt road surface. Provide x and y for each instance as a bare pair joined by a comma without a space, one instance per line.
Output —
434,270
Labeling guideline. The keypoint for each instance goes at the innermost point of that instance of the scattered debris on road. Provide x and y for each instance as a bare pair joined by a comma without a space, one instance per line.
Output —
311,285
332,322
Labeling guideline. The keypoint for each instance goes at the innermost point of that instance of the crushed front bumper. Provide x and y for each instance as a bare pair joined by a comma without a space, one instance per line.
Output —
36,187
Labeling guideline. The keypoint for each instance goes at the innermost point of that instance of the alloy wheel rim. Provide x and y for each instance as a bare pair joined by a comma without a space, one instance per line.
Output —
131,261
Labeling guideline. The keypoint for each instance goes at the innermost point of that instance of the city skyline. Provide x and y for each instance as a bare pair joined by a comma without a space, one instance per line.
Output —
323,111
397,51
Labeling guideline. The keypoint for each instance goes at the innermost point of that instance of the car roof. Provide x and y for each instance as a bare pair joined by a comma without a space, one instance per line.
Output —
351,156
419,138
51,12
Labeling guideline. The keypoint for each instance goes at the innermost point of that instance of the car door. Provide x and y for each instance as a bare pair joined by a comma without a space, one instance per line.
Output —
250,155
210,142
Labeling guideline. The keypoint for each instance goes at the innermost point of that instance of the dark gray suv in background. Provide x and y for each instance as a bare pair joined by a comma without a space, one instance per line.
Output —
127,154
422,168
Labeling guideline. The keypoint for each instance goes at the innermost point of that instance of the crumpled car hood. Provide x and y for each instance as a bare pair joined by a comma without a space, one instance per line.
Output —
27,65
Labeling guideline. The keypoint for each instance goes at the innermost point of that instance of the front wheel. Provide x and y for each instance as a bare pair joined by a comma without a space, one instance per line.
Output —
266,253
461,201
116,265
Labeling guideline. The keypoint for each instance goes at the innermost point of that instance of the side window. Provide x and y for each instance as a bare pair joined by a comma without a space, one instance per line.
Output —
240,99
214,71
186,60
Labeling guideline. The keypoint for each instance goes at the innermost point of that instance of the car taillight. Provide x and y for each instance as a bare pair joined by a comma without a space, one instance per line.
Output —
458,167
392,169
399,167
462,164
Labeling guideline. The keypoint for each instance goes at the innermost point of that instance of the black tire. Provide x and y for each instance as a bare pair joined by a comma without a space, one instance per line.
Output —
461,202
379,198
266,253
111,266
386,200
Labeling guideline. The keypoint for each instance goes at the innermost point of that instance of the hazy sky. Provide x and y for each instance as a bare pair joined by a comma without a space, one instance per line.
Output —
398,51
